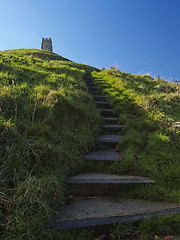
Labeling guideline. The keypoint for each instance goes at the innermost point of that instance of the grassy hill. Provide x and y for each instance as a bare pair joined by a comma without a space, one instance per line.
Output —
149,108
48,120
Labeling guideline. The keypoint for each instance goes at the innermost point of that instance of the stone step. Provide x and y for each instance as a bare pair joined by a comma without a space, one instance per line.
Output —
96,184
94,91
110,120
112,128
109,138
87,77
90,84
90,81
101,211
92,88
107,156
106,112
99,98
177,237
102,104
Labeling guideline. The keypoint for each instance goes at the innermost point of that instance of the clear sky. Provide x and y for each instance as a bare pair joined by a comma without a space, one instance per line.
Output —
139,36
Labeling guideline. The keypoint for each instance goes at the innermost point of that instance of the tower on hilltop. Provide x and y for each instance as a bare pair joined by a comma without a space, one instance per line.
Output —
47,44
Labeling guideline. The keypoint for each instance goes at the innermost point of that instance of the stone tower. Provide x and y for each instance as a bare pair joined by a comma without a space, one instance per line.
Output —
47,44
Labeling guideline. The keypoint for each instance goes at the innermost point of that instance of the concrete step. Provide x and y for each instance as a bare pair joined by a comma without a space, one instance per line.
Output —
106,112
94,90
177,237
90,84
99,98
101,211
87,77
109,138
107,156
96,184
102,105
112,128
110,120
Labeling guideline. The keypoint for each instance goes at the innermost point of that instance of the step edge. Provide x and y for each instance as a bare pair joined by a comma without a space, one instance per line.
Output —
101,139
113,181
105,109
110,118
112,126
92,222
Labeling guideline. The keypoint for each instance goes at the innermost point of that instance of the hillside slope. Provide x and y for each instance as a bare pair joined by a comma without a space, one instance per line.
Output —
149,108
47,120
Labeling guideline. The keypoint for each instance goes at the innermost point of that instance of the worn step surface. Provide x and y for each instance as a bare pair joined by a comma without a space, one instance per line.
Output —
106,112
112,128
94,90
108,156
99,98
87,77
88,80
103,104
90,84
110,120
110,138
96,184
94,211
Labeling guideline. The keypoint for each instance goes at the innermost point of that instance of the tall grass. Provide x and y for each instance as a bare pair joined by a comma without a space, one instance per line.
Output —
148,107
47,120
151,147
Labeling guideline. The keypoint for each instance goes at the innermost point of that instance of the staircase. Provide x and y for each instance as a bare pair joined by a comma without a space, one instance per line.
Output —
96,201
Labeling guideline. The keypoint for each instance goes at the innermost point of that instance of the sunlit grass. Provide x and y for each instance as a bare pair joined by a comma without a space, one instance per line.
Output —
47,120
148,108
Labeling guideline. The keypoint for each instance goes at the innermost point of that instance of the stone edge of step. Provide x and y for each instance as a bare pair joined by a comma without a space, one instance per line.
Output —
109,138
113,181
101,156
110,220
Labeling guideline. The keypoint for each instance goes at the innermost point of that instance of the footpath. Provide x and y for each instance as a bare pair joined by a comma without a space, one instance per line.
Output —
96,200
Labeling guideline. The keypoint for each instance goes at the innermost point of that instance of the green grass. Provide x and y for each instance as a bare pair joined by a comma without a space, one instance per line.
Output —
47,121
148,107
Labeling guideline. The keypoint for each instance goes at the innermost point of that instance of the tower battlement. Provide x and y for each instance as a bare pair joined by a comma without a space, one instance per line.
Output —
46,44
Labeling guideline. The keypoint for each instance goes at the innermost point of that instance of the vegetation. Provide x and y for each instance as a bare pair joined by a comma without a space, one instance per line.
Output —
47,121
148,108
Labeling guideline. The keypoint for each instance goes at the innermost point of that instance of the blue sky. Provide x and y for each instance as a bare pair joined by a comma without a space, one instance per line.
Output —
139,36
